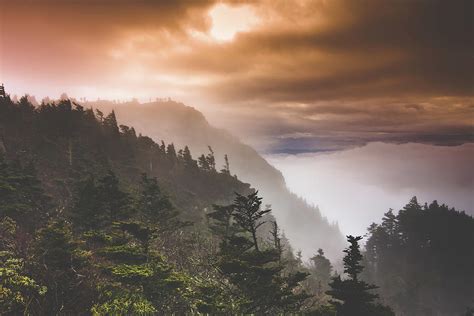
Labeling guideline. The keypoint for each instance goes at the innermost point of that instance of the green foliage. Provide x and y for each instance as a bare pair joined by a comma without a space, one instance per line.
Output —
125,304
61,266
112,239
255,273
17,290
21,195
55,246
125,253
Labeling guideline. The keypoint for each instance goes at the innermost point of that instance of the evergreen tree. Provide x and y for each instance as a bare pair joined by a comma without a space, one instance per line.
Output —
321,270
352,295
426,242
59,266
155,206
256,273
203,163
276,239
21,195
110,125
221,224
86,212
226,168
247,213
114,203
211,160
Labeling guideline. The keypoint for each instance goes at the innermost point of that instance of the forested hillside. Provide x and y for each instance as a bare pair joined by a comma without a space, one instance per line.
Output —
175,122
96,219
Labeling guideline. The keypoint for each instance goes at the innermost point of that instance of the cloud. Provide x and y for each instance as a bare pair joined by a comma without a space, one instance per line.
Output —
355,187
346,72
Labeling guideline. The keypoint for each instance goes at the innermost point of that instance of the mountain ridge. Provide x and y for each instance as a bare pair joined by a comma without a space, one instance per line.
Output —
174,122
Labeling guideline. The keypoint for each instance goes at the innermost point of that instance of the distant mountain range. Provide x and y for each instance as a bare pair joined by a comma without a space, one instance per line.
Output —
182,125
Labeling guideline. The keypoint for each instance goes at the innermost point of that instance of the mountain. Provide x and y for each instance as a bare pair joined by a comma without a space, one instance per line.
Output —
66,143
95,219
182,125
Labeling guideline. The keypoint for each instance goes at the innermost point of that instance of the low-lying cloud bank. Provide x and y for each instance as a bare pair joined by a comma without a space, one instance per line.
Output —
357,186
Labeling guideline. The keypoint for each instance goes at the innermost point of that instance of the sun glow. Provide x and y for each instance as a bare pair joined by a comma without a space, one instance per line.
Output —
227,21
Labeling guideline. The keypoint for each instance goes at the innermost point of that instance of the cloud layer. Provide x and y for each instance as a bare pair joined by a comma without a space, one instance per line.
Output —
306,76
356,187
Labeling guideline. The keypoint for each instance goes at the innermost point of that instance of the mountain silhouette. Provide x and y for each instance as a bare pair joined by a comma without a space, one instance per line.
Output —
174,122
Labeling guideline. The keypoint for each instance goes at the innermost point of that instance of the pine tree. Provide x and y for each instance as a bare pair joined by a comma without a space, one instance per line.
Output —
247,213
59,267
188,160
321,270
155,206
352,295
226,168
256,273
203,163
86,211
114,203
211,160
21,194
110,124
221,224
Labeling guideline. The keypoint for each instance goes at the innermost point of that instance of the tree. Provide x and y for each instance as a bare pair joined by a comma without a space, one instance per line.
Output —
114,203
208,162
276,239
110,125
352,295
247,213
226,168
135,279
155,206
86,212
59,266
211,160
257,274
321,270
21,195
221,224
432,245
188,160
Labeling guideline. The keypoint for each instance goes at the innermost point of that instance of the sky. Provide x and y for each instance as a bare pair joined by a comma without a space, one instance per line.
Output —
286,76
294,79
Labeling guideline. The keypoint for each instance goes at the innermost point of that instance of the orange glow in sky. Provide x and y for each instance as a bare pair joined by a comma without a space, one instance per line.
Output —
227,21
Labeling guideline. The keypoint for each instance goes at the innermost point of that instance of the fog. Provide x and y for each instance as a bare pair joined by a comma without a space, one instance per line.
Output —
356,187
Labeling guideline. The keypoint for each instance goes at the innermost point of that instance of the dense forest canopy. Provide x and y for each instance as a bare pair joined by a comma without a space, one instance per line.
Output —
422,258
95,219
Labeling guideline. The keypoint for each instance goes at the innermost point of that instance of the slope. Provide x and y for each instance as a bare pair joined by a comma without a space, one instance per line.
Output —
171,121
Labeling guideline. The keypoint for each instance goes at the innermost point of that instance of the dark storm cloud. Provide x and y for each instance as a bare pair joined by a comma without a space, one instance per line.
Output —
363,49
